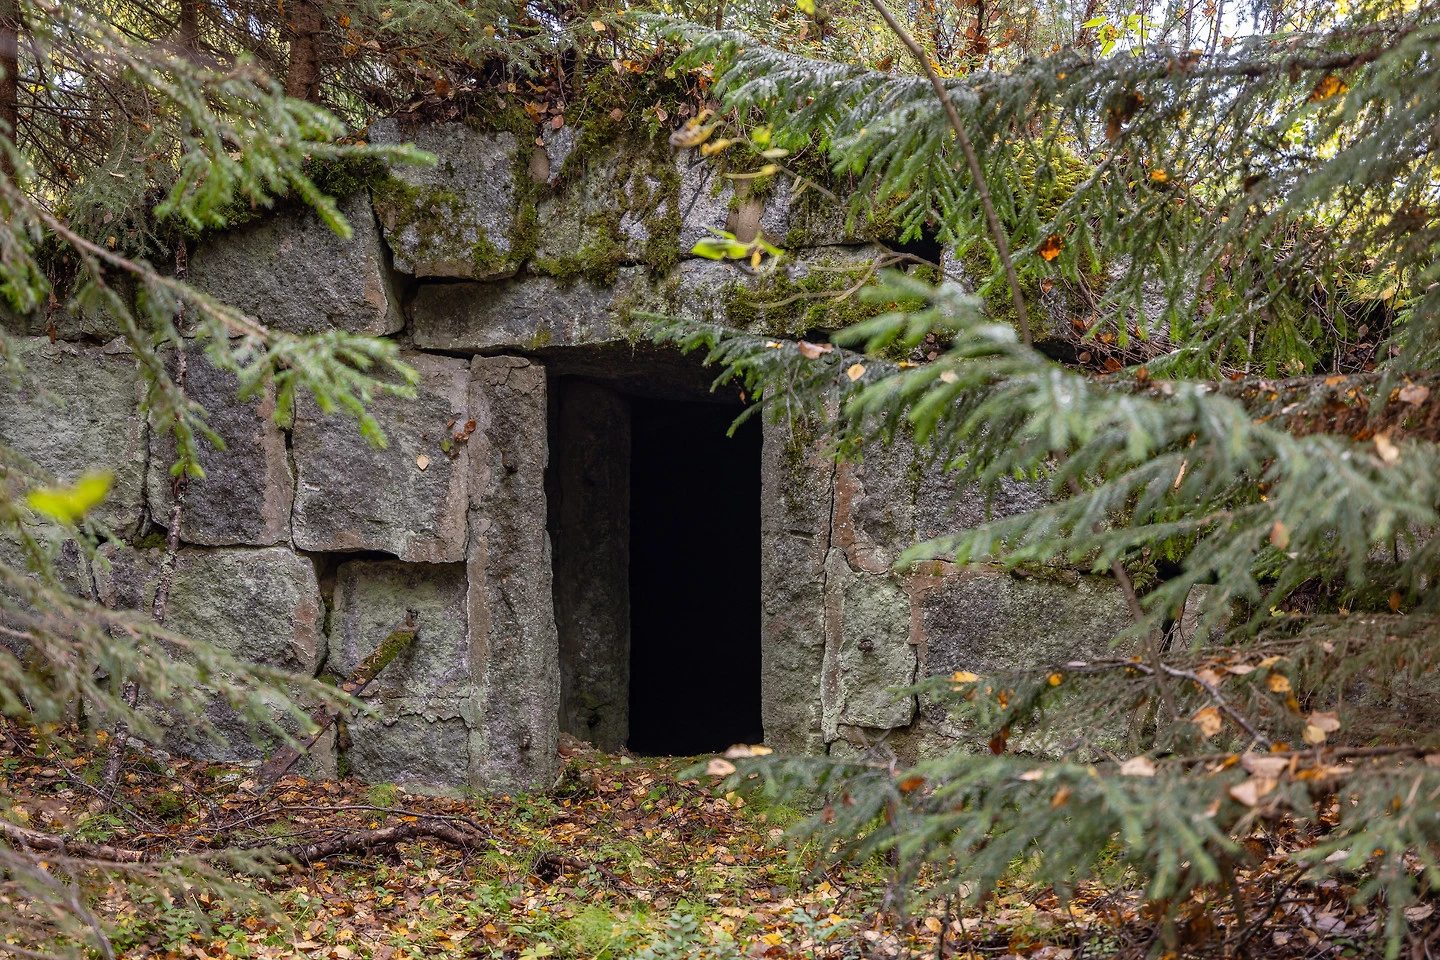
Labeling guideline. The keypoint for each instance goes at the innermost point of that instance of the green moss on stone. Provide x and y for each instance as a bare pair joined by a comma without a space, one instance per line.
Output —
430,214
784,306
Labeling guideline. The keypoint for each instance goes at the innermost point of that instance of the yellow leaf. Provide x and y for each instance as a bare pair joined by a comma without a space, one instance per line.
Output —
1278,683
68,505
964,676
716,146
1159,176
933,924
1207,719
597,25
855,371
1051,248
1329,86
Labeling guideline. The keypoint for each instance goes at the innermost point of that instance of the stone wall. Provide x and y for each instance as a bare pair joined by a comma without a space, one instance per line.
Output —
503,267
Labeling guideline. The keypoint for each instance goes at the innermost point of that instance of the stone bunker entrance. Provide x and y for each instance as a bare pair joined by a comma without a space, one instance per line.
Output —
655,533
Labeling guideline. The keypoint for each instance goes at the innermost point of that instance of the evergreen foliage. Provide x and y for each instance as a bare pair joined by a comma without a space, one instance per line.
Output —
1245,207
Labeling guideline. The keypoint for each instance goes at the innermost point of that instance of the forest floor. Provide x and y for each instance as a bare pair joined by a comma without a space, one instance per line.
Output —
627,859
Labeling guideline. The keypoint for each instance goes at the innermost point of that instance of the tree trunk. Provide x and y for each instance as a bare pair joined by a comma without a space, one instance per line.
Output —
302,79
188,35
10,82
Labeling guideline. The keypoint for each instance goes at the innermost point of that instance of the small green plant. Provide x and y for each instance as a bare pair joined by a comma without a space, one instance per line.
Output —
382,795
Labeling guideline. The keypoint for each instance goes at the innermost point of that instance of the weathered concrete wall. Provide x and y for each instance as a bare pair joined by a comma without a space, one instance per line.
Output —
506,266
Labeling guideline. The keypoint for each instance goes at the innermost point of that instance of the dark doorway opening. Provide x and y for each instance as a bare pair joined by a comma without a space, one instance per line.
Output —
694,578
654,522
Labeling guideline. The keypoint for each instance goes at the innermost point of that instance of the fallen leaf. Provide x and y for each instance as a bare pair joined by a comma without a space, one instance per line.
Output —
1207,719
813,351
1386,448
422,461
1264,766
1278,683
1414,393
1137,766
1051,248
855,371
1250,791
1279,535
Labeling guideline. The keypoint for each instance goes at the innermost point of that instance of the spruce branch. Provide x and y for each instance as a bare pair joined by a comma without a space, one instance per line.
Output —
972,161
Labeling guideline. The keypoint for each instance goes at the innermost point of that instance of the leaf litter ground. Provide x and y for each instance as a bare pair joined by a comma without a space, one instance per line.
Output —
627,858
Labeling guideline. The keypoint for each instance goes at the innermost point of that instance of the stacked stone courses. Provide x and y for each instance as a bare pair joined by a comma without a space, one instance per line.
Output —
502,267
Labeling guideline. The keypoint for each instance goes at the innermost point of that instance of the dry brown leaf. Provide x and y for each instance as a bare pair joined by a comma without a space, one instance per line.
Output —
1250,791
855,371
1263,765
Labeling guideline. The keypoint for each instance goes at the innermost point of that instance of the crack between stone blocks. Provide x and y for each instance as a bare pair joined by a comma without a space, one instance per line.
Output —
832,475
